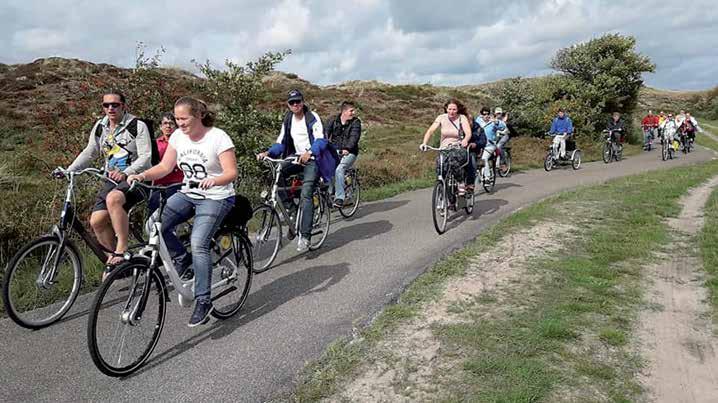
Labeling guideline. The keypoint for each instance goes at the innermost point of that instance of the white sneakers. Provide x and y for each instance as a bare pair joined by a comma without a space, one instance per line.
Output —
302,244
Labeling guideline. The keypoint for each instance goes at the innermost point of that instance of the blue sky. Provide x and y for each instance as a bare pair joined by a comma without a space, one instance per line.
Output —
440,42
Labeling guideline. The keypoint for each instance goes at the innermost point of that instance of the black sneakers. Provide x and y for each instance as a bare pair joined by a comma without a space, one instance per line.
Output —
338,203
202,310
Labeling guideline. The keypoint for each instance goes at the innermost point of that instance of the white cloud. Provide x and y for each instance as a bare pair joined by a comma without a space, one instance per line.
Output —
40,39
451,42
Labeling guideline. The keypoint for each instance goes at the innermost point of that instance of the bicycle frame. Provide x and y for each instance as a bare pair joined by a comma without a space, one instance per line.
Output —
160,255
68,221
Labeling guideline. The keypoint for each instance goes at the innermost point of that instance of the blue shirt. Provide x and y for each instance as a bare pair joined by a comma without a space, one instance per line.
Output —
561,126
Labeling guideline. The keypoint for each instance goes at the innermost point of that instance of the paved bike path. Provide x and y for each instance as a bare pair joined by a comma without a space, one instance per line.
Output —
293,312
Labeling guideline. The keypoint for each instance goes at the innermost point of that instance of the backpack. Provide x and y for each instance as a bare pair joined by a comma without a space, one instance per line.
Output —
132,129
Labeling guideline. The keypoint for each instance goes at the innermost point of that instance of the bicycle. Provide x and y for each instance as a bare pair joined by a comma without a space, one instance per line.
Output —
134,296
506,162
446,190
686,143
272,212
553,155
352,193
488,182
612,150
667,150
648,136
44,277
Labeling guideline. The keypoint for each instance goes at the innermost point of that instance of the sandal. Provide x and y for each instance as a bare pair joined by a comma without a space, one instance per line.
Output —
114,260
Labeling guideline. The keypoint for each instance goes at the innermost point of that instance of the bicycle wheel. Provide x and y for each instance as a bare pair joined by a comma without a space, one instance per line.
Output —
320,220
265,233
671,151
489,182
353,193
576,160
439,207
507,161
42,282
548,162
607,152
126,318
232,263
470,199
664,151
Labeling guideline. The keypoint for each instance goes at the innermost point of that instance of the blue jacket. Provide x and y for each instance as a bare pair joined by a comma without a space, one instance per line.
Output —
561,126
324,152
491,128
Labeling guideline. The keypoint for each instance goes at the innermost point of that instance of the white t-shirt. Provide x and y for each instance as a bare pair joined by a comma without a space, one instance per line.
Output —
300,135
200,160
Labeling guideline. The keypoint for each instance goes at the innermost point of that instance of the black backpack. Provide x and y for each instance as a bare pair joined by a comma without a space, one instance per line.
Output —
132,128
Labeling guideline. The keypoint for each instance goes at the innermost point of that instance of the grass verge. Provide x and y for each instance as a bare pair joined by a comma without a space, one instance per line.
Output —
569,322
708,241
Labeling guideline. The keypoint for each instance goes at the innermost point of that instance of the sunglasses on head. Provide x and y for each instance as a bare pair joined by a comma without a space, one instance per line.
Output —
107,105
295,102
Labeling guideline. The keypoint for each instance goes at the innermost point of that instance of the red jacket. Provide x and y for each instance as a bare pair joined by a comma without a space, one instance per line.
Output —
650,121
176,176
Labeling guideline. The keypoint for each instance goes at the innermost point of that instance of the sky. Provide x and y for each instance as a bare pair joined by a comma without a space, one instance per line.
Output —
443,42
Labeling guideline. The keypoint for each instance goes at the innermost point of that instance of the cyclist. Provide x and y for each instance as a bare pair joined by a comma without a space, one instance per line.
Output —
206,156
125,143
493,130
302,134
649,124
505,137
455,129
669,129
343,131
616,127
561,129
167,126
689,127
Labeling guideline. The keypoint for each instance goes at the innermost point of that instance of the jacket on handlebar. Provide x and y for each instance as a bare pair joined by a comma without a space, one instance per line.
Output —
561,126
324,152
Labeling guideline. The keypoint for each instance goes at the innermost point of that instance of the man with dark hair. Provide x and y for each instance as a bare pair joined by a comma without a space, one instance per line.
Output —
344,131
125,142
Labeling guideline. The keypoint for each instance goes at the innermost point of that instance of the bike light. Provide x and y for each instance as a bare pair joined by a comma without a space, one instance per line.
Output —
264,194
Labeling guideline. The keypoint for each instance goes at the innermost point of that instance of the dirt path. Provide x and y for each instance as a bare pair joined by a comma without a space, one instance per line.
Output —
677,336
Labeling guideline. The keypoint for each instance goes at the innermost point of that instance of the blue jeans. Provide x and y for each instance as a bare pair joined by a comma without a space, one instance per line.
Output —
154,201
208,215
339,178
309,183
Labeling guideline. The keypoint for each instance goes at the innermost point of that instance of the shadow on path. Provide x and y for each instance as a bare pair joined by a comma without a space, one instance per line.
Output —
271,296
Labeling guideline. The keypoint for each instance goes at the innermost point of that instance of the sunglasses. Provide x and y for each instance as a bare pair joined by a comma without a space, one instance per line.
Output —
115,105
485,114
294,102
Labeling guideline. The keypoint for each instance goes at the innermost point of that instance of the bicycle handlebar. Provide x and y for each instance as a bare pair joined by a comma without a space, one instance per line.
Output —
451,147
99,173
134,184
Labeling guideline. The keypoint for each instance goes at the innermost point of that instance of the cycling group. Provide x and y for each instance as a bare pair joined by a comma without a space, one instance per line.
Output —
674,132
187,173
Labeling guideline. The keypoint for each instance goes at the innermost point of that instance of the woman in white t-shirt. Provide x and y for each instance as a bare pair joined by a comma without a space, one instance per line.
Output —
206,156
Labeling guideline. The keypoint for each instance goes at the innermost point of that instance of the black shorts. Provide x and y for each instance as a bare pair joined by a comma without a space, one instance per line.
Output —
131,198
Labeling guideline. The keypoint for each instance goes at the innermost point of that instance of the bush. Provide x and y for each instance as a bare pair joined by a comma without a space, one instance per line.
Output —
595,78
